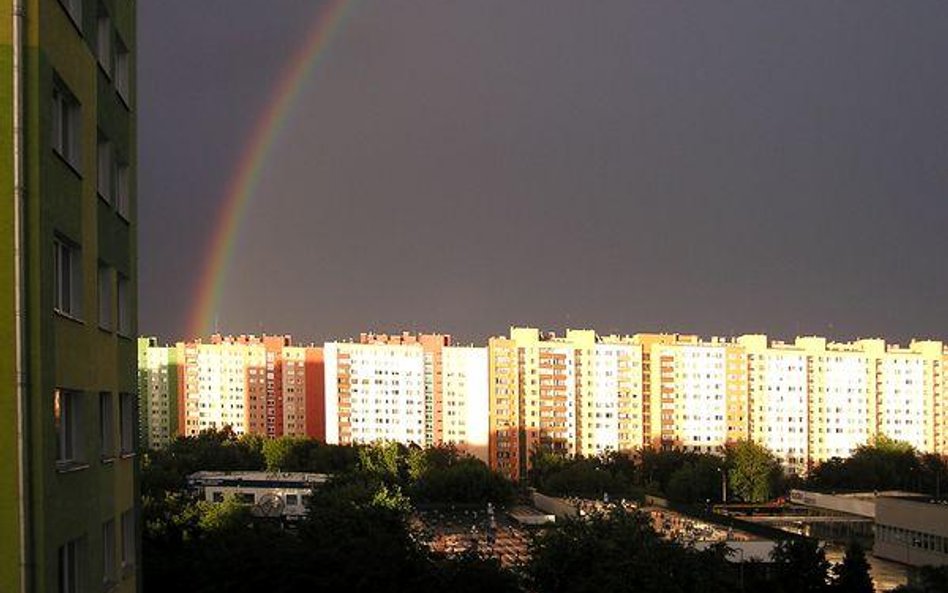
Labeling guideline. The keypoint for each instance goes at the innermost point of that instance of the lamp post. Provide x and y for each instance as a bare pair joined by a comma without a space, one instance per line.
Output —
723,484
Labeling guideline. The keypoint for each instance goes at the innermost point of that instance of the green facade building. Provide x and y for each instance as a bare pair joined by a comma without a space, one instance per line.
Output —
69,511
157,392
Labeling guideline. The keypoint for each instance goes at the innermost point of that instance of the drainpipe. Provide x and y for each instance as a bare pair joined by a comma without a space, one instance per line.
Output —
19,194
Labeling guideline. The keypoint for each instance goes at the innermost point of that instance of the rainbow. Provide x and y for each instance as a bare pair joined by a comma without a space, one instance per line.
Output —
242,187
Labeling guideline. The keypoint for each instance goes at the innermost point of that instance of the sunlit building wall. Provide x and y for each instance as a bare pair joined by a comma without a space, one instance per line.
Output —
231,381
807,401
533,396
375,392
689,395
464,409
158,389
610,396
842,395
215,393
432,346
778,395
910,394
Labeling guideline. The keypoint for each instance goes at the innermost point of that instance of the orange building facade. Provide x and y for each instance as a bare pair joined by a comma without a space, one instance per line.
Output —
260,385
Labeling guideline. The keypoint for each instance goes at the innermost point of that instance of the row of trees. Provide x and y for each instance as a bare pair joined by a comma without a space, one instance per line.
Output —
357,534
884,464
434,475
621,552
749,471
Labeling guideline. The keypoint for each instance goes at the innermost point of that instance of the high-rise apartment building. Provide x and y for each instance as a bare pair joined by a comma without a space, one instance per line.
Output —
689,394
778,397
611,395
68,424
375,392
252,384
407,388
806,401
303,408
158,386
565,395
464,410
432,346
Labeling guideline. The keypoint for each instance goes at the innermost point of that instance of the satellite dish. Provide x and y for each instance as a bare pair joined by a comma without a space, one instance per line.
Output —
270,505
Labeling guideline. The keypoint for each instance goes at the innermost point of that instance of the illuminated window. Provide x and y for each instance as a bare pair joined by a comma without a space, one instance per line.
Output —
66,410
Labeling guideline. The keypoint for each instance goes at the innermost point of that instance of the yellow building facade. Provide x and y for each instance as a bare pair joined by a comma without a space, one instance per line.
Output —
807,401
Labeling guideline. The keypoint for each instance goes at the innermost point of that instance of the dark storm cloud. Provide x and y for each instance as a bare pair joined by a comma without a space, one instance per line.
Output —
459,166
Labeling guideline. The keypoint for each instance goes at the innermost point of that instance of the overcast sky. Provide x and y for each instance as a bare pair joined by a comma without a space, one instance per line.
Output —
464,165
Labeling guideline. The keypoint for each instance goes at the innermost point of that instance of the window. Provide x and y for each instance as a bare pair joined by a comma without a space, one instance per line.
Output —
66,408
127,422
128,538
122,71
124,306
68,281
66,125
74,10
108,552
217,497
105,171
104,41
70,567
245,497
122,189
106,425
105,297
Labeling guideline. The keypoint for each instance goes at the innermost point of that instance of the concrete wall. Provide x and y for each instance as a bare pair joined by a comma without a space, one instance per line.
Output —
914,533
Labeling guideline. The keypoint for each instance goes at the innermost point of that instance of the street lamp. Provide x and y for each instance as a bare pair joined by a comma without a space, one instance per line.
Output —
723,484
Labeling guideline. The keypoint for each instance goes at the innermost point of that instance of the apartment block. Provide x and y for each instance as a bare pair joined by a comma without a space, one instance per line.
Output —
464,406
567,395
689,404
260,385
842,395
412,389
375,392
158,381
611,396
778,397
69,511
432,346
303,395
807,401
504,450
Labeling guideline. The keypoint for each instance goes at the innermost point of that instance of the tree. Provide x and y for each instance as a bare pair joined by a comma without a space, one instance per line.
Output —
621,552
754,474
466,481
882,464
927,579
696,481
800,566
934,474
471,572
852,574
